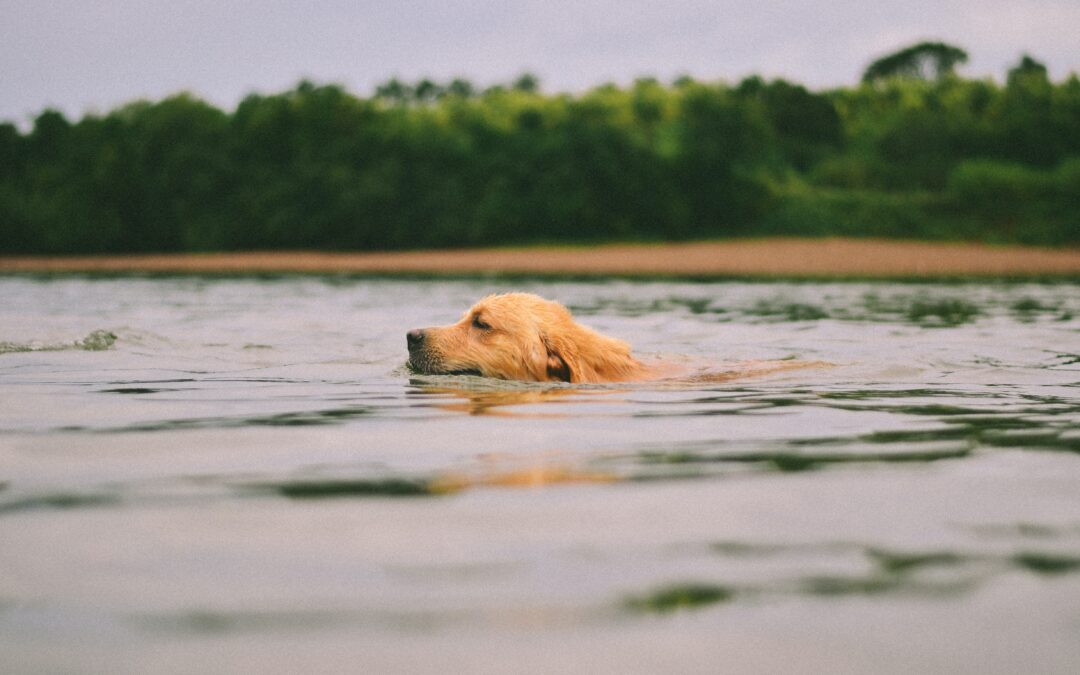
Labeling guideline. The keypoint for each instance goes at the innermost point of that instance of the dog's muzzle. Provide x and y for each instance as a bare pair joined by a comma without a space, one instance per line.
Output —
423,360
419,358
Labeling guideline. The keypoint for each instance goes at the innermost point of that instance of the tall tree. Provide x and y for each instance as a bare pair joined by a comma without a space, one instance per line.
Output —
923,61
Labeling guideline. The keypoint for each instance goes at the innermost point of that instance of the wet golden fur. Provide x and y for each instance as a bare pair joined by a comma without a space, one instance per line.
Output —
520,336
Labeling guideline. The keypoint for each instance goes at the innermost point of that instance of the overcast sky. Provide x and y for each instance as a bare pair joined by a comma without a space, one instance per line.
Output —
92,55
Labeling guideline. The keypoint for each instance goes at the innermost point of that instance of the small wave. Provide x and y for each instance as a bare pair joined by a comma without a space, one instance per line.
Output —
96,341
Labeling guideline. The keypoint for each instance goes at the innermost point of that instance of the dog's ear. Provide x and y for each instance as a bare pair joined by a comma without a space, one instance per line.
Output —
557,367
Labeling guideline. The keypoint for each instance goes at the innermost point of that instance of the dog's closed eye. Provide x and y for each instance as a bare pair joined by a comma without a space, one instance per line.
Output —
479,323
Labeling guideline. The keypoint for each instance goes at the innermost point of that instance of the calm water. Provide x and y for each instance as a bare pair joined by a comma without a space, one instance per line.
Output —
211,475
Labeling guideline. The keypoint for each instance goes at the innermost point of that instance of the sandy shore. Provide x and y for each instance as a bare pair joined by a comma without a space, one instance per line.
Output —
751,258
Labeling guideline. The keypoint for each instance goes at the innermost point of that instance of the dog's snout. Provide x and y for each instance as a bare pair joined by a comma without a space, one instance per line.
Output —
415,337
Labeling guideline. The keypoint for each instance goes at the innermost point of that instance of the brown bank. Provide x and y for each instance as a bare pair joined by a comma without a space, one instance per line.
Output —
864,258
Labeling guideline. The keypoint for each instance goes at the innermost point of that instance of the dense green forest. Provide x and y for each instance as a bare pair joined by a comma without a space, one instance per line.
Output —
913,151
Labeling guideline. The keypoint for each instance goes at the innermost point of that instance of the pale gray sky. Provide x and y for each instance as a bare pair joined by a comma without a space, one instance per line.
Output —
92,55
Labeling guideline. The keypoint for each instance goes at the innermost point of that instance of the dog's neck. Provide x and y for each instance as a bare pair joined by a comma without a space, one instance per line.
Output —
615,370
599,358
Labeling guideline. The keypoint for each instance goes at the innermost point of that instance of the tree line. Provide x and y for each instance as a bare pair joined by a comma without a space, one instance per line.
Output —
913,151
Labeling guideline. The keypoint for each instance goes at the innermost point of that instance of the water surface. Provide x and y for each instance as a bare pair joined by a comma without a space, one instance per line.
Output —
211,475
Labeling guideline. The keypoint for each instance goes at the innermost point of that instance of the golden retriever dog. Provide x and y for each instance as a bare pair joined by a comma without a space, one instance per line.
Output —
521,336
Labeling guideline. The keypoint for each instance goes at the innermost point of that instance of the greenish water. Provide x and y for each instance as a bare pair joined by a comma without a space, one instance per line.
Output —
221,475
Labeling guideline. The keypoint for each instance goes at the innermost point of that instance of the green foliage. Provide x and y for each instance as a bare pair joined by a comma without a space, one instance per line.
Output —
798,209
721,139
1020,203
434,164
807,125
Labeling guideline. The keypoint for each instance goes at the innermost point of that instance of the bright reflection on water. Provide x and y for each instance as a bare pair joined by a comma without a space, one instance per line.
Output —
239,474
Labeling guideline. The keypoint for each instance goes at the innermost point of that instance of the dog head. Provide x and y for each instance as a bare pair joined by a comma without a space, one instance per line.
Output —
520,336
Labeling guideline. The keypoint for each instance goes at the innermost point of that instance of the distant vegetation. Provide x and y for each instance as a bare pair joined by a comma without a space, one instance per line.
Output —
913,151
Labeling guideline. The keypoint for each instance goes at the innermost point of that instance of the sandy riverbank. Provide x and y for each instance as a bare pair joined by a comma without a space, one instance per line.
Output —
754,258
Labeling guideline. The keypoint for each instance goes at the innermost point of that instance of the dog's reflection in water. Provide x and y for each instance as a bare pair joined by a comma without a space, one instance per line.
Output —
502,402
512,470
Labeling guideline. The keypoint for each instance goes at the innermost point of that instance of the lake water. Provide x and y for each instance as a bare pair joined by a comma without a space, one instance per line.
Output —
223,475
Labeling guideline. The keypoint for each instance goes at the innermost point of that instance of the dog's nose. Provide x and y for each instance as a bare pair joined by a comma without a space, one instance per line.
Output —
414,337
